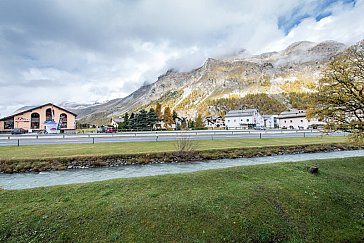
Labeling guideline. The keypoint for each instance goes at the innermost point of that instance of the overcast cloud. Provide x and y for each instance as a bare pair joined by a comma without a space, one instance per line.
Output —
87,50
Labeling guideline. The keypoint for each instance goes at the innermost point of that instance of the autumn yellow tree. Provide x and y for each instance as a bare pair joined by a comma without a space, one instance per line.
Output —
158,111
340,98
167,116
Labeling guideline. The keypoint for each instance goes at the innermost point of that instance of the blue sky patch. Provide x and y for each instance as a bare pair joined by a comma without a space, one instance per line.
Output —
317,10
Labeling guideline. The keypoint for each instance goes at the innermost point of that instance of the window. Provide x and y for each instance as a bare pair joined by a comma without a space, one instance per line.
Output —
301,120
9,123
234,120
34,120
291,121
63,120
49,114
285,121
247,120
228,120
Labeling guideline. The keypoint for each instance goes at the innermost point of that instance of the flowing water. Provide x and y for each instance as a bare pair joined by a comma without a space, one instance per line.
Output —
50,178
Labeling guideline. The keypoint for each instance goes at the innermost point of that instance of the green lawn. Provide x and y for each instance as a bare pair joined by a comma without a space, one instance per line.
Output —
277,202
102,149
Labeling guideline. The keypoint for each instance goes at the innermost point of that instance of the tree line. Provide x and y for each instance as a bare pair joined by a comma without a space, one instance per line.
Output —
155,119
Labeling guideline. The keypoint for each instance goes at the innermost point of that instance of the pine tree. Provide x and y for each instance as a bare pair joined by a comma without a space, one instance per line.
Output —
131,121
168,120
174,115
141,120
191,123
152,118
124,124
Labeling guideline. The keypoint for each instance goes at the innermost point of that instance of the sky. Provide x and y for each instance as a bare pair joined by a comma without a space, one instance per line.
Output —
88,51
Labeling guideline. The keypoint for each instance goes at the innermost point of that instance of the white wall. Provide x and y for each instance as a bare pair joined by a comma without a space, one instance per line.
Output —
243,121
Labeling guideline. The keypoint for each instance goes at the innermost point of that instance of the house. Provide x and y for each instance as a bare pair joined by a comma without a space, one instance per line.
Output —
296,119
243,119
43,117
214,121
114,122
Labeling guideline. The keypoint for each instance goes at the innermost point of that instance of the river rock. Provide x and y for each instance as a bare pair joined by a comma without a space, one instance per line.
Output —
313,169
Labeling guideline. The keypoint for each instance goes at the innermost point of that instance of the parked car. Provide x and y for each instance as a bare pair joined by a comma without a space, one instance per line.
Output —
18,131
110,130
100,130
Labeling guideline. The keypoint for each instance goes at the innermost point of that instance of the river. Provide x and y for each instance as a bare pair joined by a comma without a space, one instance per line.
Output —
51,178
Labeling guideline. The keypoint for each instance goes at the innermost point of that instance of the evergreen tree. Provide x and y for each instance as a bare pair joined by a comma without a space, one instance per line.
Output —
168,119
152,118
158,111
124,124
141,120
131,121
174,115
191,123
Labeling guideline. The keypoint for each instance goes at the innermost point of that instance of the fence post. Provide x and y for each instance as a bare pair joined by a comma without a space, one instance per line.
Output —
260,135
304,134
18,143
93,140
156,138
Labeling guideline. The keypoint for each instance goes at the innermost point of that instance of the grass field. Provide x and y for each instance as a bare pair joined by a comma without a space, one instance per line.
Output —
73,150
277,202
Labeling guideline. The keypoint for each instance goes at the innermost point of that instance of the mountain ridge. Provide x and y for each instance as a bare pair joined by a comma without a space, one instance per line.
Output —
299,66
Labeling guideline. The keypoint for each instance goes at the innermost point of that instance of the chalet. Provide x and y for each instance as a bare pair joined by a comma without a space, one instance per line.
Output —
38,117
243,119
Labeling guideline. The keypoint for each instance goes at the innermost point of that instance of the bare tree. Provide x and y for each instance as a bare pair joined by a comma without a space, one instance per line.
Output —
185,146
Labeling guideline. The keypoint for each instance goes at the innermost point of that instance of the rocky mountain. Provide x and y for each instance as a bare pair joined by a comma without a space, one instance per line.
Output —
294,69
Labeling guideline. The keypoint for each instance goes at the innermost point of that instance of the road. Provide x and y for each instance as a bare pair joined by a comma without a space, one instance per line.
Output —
32,139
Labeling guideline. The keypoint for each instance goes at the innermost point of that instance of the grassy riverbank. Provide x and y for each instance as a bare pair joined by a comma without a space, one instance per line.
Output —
49,157
277,202
106,149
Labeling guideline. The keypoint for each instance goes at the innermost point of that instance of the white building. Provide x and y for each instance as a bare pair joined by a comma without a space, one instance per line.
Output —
270,121
243,119
296,119
114,122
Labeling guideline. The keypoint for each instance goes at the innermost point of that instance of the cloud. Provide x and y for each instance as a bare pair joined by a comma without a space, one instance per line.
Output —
89,50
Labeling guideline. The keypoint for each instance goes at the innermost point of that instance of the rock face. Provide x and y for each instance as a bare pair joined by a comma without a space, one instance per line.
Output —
297,66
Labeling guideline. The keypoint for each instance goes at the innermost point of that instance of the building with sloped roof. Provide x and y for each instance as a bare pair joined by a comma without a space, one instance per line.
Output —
36,118
296,119
243,119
